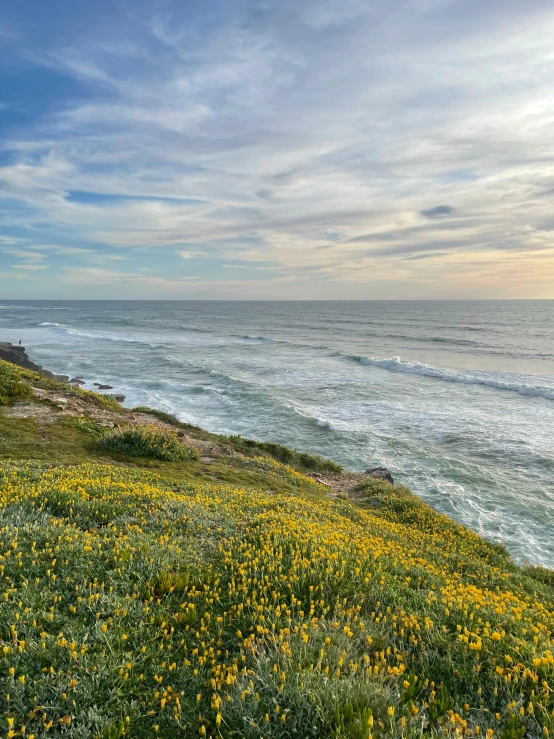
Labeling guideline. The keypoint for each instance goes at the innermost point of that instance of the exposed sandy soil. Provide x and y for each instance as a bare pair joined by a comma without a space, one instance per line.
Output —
342,484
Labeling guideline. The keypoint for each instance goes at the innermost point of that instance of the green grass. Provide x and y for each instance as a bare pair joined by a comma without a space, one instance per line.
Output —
58,442
300,460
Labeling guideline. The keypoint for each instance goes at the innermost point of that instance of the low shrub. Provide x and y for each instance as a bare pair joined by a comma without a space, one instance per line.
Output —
12,386
301,460
147,441
372,488
541,574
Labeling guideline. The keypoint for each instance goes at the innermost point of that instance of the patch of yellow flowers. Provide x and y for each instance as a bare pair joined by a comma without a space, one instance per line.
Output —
129,606
285,471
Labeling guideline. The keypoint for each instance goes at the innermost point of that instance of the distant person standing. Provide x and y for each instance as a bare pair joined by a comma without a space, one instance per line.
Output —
19,342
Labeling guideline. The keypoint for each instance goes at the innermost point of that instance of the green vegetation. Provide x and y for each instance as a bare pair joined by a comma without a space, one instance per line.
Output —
168,418
12,385
147,441
232,597
16,383
100,401
299,460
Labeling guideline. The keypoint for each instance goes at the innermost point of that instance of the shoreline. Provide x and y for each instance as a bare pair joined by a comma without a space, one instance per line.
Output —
434,436
213,581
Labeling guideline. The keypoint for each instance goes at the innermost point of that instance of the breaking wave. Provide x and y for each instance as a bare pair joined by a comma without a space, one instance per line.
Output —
395,364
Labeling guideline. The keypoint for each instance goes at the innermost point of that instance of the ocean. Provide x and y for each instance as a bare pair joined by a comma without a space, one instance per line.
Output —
455,398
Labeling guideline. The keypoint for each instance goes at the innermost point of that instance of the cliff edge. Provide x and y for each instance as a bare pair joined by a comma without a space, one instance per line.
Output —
17,355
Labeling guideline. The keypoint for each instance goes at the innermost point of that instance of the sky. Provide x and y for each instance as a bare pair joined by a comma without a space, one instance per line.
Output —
322,149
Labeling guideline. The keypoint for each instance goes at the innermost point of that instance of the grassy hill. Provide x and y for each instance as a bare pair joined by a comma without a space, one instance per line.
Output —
157,580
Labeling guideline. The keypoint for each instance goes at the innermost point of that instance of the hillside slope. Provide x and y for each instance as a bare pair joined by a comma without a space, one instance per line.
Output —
214,587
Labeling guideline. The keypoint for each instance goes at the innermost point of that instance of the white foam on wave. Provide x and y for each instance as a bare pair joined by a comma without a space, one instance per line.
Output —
19,307
395,364
324,424
147,340
260,339
310,417
101,336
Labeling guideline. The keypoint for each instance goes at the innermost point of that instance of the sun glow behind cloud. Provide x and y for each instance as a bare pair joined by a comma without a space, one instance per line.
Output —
317,149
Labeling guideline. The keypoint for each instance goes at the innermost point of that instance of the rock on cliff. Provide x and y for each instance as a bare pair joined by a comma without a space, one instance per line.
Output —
16,355
380,473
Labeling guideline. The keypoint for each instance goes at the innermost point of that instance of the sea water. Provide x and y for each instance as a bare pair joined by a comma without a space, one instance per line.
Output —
456,398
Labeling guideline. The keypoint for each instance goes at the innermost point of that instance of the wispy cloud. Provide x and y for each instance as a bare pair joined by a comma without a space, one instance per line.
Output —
29,267
32,256
98,276
338,144
191,254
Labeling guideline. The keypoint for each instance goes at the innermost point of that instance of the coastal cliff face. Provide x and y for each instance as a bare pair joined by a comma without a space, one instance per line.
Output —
233,588
17,355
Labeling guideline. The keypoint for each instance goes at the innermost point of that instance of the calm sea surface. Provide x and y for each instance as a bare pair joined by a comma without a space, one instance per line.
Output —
456,398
